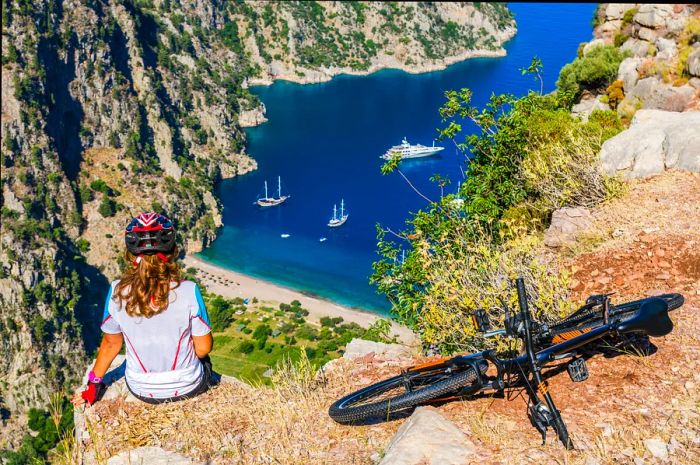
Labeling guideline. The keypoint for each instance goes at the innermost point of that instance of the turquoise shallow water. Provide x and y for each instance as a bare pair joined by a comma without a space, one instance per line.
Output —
325,141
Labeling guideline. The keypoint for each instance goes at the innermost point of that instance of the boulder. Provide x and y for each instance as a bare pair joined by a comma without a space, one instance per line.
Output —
359,348
694,83
617,10
653,15
627,72
653,93
567,223
663,45
427,438
591,45
656,140
694,63
585,107
647,34
637,47
675,25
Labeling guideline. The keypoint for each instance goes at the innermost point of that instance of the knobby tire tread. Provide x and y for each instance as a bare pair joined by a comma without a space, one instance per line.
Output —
388,406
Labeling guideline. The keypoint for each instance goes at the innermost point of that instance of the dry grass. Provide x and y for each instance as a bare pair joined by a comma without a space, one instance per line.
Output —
286,424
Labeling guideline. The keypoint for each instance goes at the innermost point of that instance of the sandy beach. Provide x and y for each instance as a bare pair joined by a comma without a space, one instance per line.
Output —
232,284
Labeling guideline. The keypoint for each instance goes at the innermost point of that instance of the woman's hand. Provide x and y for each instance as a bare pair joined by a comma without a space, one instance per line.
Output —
91,394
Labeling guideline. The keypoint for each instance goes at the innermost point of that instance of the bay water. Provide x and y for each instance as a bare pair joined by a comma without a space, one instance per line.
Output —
325,140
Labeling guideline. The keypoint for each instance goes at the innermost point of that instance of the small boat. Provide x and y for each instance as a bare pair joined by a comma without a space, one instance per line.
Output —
406,150
268,201
323,239
284,236
337,221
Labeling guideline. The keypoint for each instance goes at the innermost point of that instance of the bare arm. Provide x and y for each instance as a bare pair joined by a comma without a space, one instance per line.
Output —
203,344
109,349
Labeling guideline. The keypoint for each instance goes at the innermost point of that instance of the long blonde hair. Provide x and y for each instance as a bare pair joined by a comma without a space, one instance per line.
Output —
146,283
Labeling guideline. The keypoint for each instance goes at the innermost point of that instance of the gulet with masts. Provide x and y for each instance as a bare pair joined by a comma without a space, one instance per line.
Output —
268,201
337,220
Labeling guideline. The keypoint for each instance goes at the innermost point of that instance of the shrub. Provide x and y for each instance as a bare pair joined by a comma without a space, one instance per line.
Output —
83,245
246,347
615,93
219,310
628,16
107,207
307,332
262,332
592,72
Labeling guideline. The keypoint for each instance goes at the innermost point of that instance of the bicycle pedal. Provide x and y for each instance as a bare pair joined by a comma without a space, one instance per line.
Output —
578,370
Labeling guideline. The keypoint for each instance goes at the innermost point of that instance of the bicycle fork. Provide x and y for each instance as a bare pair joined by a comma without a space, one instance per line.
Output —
541,416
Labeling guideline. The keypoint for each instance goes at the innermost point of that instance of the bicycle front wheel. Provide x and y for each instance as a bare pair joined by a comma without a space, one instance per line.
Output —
403,392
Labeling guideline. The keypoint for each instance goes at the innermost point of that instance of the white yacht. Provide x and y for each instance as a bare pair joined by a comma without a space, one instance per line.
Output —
273,201
338,220
406,150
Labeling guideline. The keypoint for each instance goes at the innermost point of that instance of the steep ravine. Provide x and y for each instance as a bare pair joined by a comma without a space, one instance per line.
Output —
113,107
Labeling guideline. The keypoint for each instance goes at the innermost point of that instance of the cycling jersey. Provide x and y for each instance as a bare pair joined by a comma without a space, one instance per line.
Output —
160,357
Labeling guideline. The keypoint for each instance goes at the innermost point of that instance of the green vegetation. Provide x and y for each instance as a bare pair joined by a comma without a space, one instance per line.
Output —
49,428
257,338
594,71
530,157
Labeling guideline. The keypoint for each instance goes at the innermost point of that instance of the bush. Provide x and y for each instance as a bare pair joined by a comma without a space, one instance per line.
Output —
593,72
246,347
219,310
107,207
307,332
262,332
83,245
615,93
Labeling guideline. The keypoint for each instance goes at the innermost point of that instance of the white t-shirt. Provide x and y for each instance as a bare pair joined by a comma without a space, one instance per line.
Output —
160,357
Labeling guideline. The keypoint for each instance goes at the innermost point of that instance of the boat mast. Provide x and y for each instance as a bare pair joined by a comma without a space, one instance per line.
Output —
266,189
279,187
335,215
342,208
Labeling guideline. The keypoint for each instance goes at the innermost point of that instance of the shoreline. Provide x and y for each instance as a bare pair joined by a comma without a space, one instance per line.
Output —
247,287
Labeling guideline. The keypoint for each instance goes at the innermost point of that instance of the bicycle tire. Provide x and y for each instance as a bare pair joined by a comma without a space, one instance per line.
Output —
595,317
343,410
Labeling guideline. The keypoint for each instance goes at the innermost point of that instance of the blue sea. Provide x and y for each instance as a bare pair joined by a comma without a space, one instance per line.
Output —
325,140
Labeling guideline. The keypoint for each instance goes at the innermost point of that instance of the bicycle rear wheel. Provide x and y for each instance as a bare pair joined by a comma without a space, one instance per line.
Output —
405,391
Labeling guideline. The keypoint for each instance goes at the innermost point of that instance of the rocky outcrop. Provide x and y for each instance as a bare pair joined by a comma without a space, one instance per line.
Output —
694,62
151,456
567,223
428,438
656,140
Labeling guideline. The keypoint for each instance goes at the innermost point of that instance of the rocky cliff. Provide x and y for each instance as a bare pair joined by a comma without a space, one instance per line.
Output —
661,68
111,107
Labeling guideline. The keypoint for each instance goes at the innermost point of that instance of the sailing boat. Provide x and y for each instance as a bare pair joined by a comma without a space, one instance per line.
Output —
273,201
338,220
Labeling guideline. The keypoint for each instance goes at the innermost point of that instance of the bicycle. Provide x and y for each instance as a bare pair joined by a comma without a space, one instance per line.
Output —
546,346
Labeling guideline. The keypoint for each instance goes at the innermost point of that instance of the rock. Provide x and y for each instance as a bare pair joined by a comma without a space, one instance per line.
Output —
150,456
653,15
693,64
591,45
656,140
566,224
253,117
359,348
584,108
627,73
653,93
694,83
647,34
427,438
675,25
657,447
617,10
663,45
638,47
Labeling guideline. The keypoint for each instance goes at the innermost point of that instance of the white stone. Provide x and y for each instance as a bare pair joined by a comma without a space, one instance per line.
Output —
646,34
566,224
657,447
359,348
617,10
627,72
150,456
584,108
427,438
653,15
656,140
637,47
694,63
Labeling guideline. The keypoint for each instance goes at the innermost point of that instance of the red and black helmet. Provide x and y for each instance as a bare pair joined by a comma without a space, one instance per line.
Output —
150,233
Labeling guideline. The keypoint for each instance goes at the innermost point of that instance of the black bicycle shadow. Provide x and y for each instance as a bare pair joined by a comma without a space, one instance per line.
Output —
610,347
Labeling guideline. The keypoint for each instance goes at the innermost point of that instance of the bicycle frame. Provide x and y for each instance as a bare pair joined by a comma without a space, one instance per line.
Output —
651,319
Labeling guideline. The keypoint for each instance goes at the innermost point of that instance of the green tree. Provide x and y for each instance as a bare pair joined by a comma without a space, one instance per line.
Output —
107,207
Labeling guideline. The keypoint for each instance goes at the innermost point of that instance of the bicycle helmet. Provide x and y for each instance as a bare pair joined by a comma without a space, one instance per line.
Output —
150,233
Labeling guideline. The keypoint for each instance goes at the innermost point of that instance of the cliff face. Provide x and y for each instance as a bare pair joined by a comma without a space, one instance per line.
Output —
114,107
